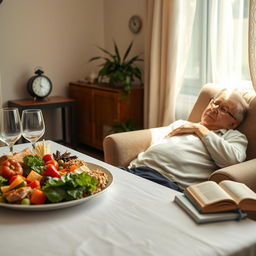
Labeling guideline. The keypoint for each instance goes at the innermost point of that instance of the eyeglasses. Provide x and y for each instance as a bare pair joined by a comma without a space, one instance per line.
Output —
221,108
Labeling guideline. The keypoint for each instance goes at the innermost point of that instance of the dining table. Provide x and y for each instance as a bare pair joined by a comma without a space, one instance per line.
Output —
132,217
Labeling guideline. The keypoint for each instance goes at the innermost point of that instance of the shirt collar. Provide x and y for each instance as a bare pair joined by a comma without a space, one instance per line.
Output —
220,131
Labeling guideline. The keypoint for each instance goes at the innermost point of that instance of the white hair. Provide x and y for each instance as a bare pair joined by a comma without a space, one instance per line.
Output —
242,105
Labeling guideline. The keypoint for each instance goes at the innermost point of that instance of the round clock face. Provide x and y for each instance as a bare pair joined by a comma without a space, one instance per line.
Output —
135,24
41,86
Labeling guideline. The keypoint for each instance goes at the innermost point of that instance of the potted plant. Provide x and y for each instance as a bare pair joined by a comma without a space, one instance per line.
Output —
120,72
129,125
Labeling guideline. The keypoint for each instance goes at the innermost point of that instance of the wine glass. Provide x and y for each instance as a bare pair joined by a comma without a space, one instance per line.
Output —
32,125
10,126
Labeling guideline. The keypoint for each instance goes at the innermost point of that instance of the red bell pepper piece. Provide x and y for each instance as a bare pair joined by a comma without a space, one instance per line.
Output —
54,162
34,184
50,170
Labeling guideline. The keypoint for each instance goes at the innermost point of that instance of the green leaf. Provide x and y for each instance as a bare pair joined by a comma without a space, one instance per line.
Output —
69,187
75,193
127,51
117,53
137,73
132,60
3,181
129,125
55,195
33,162
107,52
94,58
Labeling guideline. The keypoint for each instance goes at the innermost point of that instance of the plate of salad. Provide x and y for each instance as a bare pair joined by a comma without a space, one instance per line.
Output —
38,182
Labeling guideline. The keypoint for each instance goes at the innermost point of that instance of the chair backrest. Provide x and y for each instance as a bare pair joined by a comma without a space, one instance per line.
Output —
248,127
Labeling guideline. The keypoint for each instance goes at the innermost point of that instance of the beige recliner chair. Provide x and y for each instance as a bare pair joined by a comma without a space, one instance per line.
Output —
121,148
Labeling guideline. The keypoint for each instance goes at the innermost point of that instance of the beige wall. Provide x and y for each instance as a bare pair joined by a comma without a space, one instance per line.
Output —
57,35
116,17
60,36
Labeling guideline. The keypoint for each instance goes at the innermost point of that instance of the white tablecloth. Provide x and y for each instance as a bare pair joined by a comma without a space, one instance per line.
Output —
133,217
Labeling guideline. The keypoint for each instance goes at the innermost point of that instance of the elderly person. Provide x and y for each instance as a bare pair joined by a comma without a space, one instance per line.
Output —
190,152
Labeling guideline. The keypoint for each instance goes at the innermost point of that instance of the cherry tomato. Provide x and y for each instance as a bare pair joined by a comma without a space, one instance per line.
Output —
50,170
11,167
48,157
85,194
54,162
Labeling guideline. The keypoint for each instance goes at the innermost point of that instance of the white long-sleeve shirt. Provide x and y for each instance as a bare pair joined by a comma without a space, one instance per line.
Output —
187,159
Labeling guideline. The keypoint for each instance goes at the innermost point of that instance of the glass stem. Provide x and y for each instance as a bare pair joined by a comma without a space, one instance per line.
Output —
34,146
11,149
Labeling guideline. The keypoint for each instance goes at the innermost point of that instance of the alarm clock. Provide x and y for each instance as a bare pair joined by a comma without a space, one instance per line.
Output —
39,86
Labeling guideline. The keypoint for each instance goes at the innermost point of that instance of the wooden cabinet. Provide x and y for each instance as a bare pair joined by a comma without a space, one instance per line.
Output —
99,107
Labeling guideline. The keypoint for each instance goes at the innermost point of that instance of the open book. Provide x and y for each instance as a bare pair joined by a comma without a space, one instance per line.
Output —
210,197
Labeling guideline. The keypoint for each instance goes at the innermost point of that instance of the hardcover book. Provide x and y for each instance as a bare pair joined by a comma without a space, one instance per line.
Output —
205,218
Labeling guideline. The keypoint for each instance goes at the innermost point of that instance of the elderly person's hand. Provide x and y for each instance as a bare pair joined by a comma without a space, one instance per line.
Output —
193,128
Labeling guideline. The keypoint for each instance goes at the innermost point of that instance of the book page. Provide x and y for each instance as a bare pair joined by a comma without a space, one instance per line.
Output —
208,192
237,190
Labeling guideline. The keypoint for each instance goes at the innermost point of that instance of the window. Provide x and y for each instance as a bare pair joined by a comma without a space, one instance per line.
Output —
218,51
196,66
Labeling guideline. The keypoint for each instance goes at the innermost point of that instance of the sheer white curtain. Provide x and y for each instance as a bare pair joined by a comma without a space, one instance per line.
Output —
169,28
252,41
227,36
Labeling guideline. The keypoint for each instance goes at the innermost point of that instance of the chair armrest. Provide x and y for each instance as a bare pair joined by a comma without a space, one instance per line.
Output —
121,148
243,172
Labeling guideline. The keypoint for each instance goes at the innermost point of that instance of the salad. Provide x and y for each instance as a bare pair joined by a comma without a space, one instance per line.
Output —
27,178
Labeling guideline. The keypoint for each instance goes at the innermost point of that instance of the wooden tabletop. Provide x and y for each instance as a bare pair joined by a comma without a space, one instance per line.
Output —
46,101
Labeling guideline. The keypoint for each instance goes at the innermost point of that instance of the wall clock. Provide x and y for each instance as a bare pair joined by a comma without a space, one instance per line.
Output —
135,24
39,86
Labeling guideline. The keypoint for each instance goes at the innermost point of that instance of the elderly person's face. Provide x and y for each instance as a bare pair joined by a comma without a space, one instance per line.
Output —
221,113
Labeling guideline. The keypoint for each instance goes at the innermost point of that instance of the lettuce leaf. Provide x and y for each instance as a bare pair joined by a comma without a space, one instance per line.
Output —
3,181
69,187
33,162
